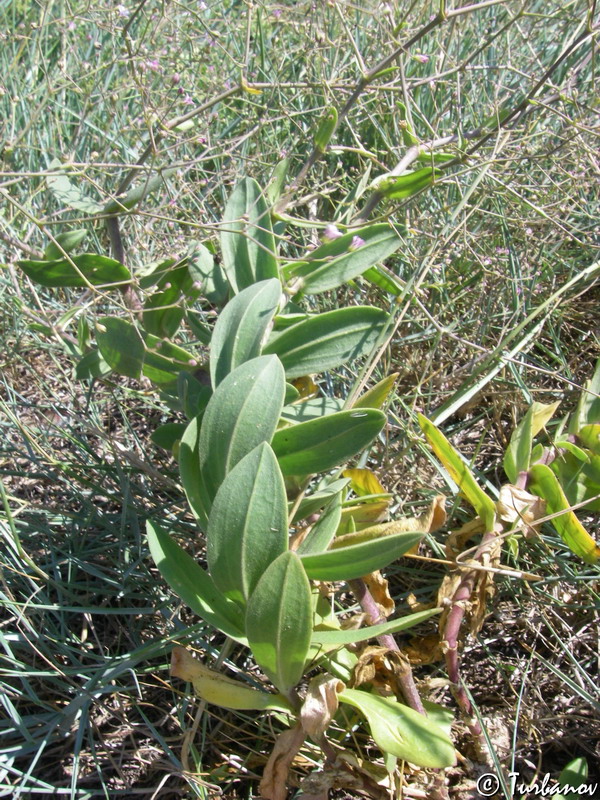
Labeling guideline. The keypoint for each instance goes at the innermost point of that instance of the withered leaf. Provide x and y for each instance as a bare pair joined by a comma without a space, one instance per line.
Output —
275,775
320,705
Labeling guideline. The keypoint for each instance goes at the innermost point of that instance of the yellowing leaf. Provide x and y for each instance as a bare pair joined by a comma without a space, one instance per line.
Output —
363,482
220,690
377,395
543,482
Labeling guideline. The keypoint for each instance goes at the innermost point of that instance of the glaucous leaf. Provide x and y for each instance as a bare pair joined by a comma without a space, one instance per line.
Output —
323,530
401,731
339,261
356,560
247,240
328,340
241,327
247,527
338,638
279,621
243,412
193,584
321,444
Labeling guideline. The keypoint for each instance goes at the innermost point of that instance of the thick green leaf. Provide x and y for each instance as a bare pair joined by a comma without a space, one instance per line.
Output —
247,240
385,280
401,731
376,396
92,365
121,346
243,412
68,241
328,340
66,193
207,273
166,435
338,638
588,408
354,561
399,187
193,584
323,530
279,621
321,444
518,453
132,352
543,482
130,199
314,408
459,472
341,260
191,477
247,528
241,327
320,497
589,436
89,269
165,307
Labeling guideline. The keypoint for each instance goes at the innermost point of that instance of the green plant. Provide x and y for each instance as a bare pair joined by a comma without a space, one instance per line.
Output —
258,460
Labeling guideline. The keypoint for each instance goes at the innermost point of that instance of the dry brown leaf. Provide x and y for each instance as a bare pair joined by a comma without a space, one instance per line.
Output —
378,586
320,705
456,541
416,605
346,773
519,508
355,622
424,649
275,775
380,667
364,514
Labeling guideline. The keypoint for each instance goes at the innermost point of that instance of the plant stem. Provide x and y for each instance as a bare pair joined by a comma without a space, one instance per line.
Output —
404,675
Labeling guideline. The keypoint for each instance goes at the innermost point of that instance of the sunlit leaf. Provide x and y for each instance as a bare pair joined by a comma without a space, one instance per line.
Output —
339,261
323,530
247,240
328,340
459,472
241,327
279,621
243,412
247,528
346,563
518,453
320,444
192,584
220,690
401,731
80,271
543,482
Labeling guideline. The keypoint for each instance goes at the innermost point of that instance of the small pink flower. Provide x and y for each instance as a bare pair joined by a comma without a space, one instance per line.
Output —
188,101
276,13
122,11
421,58
356,243
331,232
153,64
